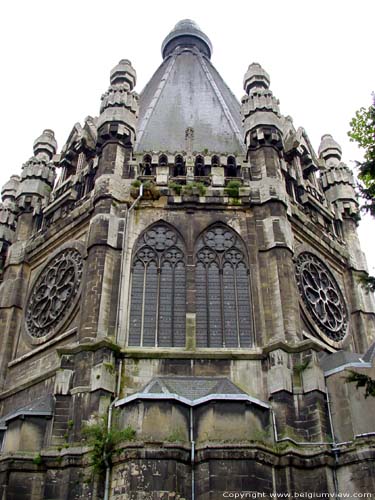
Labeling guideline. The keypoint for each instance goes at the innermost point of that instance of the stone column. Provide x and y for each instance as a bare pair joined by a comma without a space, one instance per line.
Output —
116,136
268,197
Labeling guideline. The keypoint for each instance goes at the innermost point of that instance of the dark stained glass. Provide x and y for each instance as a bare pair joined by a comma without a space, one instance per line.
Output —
223,303
158,294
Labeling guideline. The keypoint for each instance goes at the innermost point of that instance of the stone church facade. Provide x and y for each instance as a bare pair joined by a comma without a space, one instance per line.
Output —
194,274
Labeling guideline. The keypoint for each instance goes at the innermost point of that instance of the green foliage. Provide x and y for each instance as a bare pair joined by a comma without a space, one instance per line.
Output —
148,185
362,380
38,460
232,189
103,442
301,367
176,435
174,186
362,127
260,435
136,183
194,187
109,367
150,190
363,133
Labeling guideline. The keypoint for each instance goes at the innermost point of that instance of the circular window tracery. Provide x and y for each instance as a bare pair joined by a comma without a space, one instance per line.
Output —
322,296
54,293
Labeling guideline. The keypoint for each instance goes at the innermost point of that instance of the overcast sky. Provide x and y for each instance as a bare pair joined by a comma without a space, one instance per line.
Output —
56,57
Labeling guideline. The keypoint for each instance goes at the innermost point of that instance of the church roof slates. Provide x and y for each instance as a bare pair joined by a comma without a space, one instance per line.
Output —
185,92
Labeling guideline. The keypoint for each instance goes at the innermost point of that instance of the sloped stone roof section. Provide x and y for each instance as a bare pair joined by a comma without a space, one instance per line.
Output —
193,387
192,391
187,92
41,407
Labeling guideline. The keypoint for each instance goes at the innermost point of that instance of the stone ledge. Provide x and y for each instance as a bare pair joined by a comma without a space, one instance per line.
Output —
156,353
42,347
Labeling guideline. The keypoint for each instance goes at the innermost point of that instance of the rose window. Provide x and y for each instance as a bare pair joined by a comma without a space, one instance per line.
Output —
54,293
322,296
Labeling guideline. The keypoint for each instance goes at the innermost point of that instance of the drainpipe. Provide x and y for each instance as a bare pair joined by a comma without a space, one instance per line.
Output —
109,424
335,445
192,455
118,387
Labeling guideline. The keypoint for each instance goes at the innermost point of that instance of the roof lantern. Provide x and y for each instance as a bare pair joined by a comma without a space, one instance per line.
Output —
186,33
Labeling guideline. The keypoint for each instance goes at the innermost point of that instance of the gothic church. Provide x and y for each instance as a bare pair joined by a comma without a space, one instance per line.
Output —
193,275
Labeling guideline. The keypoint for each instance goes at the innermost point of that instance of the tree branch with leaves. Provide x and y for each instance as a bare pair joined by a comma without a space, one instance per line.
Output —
363,133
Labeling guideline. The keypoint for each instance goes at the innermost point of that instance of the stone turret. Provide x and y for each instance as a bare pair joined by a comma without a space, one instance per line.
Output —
262,125
118,114
8,212
260,109
337,179
38,175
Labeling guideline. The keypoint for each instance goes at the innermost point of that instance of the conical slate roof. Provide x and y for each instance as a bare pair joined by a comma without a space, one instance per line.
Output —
187,92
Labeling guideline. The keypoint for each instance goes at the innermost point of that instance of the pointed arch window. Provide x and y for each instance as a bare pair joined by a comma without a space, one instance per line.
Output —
231,168
179,167
147,165
163,160
223,303
215,161
158,289
199,169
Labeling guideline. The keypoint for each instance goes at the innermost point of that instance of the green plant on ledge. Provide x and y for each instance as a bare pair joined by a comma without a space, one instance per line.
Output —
177,435
103,442
38,460
194,188
174,186
232,189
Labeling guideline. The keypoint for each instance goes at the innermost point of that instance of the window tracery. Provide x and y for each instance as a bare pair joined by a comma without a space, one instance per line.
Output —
158,292
322,296
222,290
54,294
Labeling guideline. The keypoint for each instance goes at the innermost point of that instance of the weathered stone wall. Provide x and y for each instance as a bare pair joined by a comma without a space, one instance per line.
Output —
352,413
